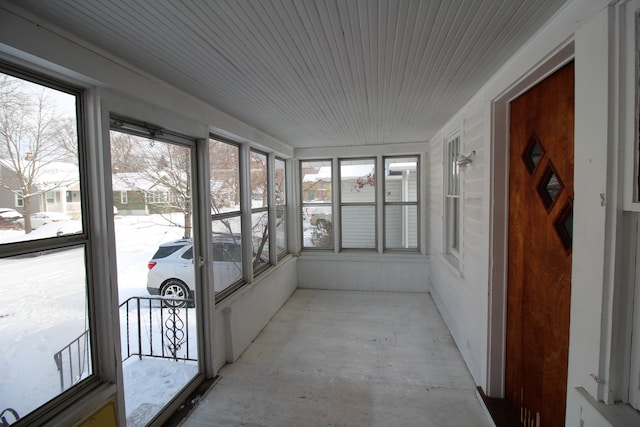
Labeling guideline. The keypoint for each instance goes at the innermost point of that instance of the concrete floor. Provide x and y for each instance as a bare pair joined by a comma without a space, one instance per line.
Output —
338,358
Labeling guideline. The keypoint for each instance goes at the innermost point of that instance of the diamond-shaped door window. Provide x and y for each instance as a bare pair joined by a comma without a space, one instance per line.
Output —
564,227
550,187
533,153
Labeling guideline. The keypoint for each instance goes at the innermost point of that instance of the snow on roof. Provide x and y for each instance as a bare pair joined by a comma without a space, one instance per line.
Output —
52,174
132,181
346,172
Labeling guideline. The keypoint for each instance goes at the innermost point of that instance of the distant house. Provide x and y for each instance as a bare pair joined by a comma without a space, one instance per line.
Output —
224,195
56,189
135,194
317,185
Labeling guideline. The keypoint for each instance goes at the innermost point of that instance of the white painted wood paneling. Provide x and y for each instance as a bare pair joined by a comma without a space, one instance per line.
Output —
241,317
455,288
313,73
364,272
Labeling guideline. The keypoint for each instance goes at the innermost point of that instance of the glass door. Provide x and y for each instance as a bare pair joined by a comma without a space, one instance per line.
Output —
152,181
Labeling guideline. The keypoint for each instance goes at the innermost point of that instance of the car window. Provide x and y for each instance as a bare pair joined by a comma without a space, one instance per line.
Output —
165,251
188,254
218,252
232,252
227,252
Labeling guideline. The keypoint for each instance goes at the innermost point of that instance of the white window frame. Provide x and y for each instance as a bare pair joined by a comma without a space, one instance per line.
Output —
328,204
247,273
264,209
630,98
124,197
19,199
154,197
280,206
373,204
403,203
452,205
99,323
624,346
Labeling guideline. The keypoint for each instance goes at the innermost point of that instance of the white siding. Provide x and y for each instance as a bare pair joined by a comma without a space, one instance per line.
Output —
456,288
396,190
358,222
358,227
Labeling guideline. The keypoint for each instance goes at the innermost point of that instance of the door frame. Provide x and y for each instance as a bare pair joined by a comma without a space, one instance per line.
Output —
499,214
110,103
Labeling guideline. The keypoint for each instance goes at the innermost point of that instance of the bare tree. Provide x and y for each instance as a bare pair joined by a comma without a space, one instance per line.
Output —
126,155
161,171
259,185
33,135
225,176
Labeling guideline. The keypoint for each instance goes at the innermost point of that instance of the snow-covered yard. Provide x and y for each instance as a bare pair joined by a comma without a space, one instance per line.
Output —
45,309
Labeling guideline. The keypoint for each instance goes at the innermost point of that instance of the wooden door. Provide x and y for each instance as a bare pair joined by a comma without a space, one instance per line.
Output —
540,236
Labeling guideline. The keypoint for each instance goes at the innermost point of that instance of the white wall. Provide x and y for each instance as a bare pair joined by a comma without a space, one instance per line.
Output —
460,289
242,316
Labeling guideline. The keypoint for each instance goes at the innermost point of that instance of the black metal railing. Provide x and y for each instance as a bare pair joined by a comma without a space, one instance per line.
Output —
150,327
157,327
8,417
73,361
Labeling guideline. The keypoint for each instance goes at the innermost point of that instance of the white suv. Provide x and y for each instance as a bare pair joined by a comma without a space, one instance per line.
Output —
172,273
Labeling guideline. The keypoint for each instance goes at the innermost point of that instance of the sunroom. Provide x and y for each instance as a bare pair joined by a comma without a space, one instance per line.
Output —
357,175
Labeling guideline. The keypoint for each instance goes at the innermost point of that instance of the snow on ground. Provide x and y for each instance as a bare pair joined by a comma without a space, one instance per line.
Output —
137,239
43,308
150,384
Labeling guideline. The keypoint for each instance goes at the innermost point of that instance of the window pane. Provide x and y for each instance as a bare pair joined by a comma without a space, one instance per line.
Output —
280,182
401,227
260,239
281,206
155,226
44,317
453,218
401,179
358,180
453,187
316,181
358,227
281,231
224,175
40,191
317,226
44,327
227,252
259,190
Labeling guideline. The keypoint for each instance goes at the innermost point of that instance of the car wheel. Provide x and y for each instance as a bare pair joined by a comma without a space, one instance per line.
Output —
174,288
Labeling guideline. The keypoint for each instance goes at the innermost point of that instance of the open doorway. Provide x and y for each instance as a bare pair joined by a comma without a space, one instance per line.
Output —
152,181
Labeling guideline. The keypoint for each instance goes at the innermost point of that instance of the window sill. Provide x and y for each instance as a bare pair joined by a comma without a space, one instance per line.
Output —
371,256
598,413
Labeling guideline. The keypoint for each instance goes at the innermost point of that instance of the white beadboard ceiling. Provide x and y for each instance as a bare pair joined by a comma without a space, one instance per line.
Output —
314,73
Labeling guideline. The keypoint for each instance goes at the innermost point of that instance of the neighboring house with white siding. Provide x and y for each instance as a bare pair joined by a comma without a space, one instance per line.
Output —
56,188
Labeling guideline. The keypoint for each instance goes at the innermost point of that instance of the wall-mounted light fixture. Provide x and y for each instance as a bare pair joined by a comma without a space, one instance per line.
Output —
465,161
